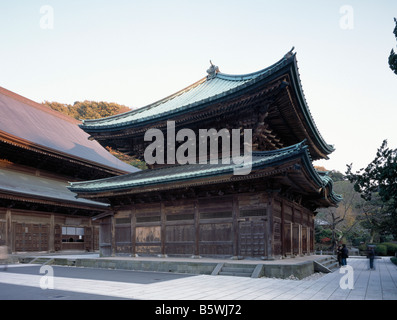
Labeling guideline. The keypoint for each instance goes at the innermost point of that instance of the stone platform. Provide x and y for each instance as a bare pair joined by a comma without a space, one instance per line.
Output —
298,267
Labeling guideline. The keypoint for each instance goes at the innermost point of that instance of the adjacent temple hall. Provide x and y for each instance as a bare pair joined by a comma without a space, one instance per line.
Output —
41,150
202,209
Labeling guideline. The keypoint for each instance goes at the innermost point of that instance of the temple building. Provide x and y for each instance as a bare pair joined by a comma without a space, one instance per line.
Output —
41,151
203,208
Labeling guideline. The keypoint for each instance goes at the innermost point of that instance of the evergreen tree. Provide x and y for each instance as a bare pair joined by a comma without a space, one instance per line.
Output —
88,109
378,181
393,55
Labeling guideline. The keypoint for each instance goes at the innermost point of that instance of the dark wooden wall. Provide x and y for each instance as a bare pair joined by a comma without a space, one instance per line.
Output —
262,225
27,231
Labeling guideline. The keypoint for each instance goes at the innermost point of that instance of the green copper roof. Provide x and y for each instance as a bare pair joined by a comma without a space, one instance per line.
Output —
214,86
175,173
189,172
218,87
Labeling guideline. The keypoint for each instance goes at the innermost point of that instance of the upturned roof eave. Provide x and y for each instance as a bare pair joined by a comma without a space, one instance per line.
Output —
297,86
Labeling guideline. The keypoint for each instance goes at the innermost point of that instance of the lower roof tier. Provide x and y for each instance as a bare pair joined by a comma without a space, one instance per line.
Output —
289,168
24,188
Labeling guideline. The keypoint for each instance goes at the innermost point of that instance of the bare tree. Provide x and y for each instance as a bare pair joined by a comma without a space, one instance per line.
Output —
342,220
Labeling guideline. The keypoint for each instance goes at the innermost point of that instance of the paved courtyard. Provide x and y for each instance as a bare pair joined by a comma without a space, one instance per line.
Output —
357,283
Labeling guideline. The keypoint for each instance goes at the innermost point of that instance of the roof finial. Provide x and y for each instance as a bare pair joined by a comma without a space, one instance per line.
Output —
212,71
289,54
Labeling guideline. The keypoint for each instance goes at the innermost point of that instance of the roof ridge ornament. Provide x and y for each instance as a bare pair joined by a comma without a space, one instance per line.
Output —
289,54
212,71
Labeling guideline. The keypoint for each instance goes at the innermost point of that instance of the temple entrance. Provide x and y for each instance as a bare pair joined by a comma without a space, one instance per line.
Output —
252,238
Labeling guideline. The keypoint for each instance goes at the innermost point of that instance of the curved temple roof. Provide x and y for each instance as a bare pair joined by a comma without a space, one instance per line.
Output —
209,88
215,86
204,90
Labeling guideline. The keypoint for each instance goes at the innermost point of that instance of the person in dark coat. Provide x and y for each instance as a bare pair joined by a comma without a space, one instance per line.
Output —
344,255
339,255
371,257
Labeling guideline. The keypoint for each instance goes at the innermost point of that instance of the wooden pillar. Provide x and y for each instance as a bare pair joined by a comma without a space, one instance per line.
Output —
236,216
51,236
9,233
133,232
301,232
300,251
283,253
196,253
308,241
292,236
293,221
269,227
92,244
163,229
113,235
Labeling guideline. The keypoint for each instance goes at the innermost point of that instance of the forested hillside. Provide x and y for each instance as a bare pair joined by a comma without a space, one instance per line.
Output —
96,110
88,109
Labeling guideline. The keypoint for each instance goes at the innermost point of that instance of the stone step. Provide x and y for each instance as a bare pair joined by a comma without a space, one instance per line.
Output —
326,264
41,260
239,270
236,274
331,264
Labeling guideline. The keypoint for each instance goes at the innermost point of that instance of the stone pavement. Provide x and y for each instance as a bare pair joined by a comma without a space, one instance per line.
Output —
357,283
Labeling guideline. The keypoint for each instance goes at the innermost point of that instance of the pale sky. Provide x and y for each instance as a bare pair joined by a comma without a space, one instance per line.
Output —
137,52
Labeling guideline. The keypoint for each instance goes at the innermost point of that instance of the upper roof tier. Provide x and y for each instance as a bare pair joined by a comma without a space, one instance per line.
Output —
32,126
291,119
215,85
210,88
